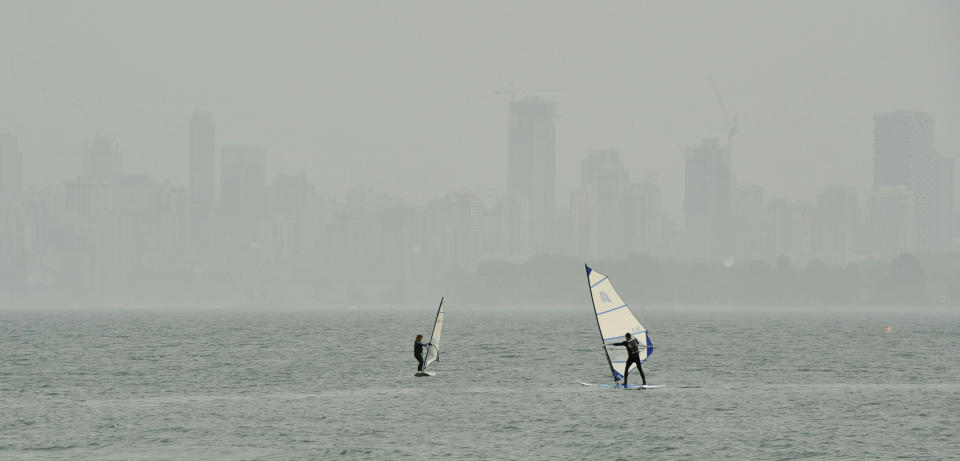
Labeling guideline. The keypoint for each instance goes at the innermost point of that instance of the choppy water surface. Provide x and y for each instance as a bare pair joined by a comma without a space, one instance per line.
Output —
338,383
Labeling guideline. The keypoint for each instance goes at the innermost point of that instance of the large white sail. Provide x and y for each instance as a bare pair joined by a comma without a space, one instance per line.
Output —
434,348
615,320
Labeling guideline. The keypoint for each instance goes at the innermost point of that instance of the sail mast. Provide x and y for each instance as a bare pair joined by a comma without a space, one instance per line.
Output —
606,353
435,320
433,350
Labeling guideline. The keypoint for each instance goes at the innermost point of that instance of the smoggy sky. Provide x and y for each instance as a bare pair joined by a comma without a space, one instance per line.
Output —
400,95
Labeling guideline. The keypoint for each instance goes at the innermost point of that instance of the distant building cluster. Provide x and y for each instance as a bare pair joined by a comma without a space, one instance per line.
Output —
911,209
108,230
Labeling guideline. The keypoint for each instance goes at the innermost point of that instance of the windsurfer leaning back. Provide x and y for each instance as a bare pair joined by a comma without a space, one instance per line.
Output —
633,357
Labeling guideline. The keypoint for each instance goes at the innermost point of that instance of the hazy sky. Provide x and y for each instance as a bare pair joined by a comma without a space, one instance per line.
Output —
400,95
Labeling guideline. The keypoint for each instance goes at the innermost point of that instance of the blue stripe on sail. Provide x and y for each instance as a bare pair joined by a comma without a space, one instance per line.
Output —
610,310
649,346
624,336
599,282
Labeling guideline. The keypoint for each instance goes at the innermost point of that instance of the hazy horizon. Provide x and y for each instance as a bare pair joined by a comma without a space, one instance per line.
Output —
401,97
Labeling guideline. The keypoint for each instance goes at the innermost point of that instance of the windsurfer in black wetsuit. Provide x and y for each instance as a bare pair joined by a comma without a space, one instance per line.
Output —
633,357
418,346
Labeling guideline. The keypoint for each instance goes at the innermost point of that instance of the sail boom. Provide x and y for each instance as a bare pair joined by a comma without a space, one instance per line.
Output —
623,336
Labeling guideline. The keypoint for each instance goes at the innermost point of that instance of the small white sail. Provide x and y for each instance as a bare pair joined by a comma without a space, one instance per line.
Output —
615,320
434,348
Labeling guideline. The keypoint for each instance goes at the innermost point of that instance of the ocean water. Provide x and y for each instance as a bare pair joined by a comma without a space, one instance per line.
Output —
337,383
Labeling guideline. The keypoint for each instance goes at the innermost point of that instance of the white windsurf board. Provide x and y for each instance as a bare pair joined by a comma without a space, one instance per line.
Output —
619,386
424,373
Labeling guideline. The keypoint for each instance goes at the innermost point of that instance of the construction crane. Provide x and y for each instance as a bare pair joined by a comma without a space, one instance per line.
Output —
731,125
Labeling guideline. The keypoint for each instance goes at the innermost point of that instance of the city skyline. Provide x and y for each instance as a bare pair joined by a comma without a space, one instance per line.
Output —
803,103
230,198
94,159
195,173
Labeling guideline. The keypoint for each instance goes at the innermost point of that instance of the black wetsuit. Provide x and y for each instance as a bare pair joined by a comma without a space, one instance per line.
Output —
633,357
418,353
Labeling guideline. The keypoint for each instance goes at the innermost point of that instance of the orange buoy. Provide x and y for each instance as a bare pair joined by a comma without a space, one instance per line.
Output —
886,329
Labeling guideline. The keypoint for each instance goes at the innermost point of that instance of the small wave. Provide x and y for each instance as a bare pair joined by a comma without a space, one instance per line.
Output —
50,448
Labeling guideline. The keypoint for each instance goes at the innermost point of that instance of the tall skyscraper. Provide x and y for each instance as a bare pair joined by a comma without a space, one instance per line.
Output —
531,168
203,165
904,155
708,189
11,169
102,159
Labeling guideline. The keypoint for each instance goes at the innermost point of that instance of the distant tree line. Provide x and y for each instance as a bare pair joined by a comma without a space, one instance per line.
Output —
907,280
550,279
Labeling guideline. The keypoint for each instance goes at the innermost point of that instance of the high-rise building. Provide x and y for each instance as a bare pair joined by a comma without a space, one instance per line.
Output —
291,194
88,196
610,216
789,226
242,189
894,221
904,155
453,227
134,194
531,168
602,168
462,244
585,219
513,229
835,223
102,159
11,169
203,165
748,222
708,189
902,141
604,175
946,203
644,210
296,220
